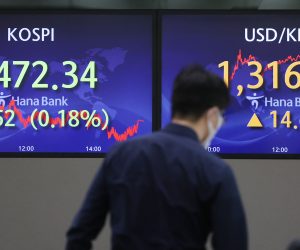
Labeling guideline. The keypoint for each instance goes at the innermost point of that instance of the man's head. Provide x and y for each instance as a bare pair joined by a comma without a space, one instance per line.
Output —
198,99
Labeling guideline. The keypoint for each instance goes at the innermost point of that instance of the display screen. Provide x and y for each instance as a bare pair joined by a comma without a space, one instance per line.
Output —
74,82
257,54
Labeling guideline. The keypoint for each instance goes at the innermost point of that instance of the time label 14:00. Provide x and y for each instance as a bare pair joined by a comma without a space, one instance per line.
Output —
259,71
88,75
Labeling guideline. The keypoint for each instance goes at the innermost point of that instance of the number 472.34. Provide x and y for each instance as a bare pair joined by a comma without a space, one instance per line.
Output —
88,76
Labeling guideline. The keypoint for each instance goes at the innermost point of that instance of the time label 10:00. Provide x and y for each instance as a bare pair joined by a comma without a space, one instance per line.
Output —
88,75
259,71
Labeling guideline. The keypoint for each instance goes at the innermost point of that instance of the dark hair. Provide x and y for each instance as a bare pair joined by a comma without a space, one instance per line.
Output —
195,91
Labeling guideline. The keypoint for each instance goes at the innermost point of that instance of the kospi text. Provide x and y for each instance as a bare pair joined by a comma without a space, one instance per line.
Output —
30,34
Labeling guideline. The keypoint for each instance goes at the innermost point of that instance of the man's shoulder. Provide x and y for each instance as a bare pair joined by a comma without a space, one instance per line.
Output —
215,170
160,146
181,146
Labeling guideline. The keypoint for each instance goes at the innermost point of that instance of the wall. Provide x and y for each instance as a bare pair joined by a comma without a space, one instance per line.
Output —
39,197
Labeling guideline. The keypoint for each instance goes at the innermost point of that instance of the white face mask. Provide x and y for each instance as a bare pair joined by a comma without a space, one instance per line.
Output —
211,131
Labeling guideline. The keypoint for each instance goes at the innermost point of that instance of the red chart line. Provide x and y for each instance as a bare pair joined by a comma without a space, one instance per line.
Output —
111,132
240,61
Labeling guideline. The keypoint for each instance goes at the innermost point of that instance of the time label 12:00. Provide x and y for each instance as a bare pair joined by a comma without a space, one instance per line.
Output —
88,75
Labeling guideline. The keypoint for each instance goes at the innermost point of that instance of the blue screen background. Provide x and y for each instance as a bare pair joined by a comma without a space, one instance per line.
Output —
210,39
121,46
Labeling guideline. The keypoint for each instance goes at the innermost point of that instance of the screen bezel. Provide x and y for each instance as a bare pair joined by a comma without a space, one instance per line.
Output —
254,12
155,88
157,16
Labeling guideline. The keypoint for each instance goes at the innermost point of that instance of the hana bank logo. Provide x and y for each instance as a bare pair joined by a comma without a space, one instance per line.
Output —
254,100
2,98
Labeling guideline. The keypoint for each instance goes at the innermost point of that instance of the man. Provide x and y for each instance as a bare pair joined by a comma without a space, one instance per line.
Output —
164,191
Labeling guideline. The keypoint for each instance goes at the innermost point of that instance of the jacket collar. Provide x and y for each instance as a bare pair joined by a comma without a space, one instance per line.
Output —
180,130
